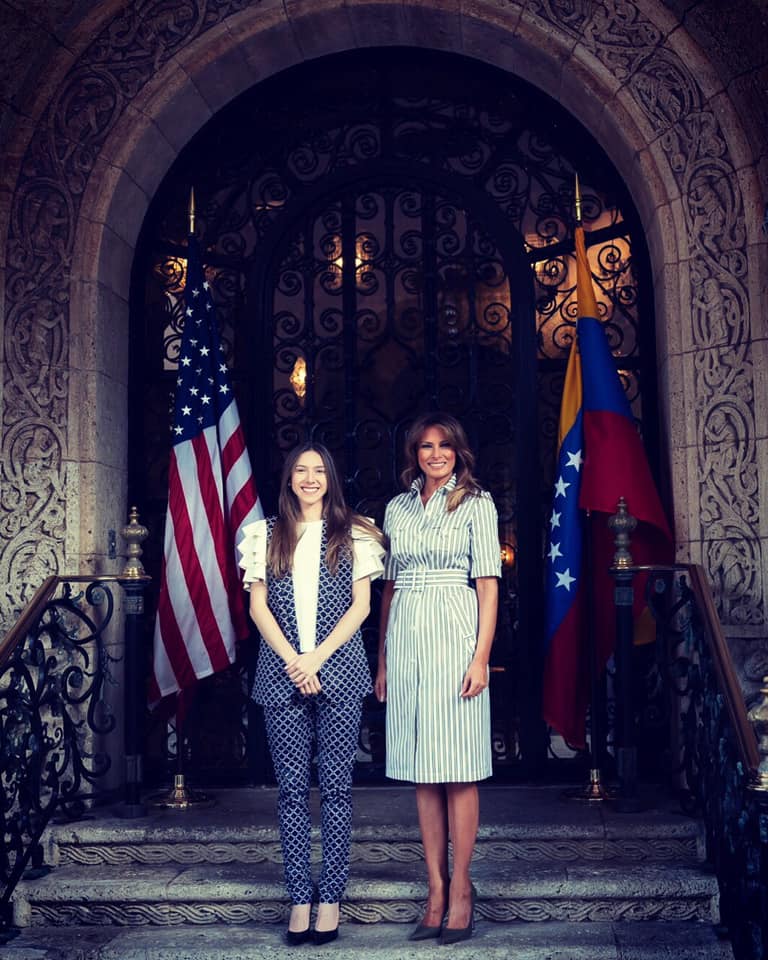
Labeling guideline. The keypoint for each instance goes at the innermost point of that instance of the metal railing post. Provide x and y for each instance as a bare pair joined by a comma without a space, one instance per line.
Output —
133,581
623,523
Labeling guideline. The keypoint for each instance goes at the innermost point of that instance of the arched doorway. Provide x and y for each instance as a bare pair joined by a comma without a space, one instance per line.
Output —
401,222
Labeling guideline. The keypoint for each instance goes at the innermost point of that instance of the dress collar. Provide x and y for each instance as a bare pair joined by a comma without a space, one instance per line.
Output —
418,485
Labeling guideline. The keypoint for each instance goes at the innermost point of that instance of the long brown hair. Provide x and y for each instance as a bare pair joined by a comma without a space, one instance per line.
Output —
466,484
337,515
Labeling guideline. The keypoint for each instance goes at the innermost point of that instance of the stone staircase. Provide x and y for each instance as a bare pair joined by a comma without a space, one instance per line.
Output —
207,883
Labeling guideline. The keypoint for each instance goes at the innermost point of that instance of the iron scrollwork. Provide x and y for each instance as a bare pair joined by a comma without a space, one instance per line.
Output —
53,721
705,765
384,249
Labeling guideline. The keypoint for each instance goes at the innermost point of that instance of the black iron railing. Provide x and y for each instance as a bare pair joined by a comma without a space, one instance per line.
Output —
706,739
57,688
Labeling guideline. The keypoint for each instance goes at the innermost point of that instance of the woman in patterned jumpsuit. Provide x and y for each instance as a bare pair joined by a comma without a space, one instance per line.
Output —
309,571
437,625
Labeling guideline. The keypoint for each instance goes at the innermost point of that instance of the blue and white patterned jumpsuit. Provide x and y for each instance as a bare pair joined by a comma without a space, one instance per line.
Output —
433,735
326,723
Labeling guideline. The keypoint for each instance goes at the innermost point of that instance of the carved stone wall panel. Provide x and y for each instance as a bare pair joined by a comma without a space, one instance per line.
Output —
759,257
667,92
55,170
141,41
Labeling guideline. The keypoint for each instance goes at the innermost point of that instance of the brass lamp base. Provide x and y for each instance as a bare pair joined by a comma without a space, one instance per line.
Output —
593,791
181,797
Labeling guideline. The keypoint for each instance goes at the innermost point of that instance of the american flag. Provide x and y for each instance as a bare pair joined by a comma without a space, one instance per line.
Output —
211,495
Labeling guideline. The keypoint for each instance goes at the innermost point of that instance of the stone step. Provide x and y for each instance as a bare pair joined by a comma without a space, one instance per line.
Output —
517,823
388,891
548,940
531,849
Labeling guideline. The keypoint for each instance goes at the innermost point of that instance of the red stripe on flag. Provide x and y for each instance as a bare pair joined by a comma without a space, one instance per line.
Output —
232,450
241,494
225,558
211,499
172,639
243,504
566,676
197,588
617,466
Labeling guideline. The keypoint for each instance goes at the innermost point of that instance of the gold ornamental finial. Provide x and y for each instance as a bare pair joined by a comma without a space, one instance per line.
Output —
577,198
622,523
192,210
135,533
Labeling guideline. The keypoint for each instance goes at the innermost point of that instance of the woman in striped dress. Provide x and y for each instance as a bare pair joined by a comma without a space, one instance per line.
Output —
437,624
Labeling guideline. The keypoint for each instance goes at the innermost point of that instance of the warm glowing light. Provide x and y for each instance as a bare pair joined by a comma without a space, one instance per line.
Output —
338,262
507,555
298,378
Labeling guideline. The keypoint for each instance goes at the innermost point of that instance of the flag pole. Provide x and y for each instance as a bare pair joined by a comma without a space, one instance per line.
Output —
577,199
181,797
594,789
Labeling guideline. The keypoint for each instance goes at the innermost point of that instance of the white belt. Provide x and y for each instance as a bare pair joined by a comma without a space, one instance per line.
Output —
423,579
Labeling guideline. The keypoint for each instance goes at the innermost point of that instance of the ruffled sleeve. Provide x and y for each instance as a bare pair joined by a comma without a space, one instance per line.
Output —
253,552
367,555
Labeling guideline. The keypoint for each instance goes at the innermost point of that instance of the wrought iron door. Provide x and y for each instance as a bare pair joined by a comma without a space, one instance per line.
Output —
401,223
388,298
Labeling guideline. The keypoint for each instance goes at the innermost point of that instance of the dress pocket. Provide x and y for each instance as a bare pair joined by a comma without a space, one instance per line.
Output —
450,526
465,627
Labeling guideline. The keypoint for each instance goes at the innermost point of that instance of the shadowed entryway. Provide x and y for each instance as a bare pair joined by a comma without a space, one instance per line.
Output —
387,233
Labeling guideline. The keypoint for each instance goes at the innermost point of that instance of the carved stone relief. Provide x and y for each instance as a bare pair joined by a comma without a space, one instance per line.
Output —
669,96
135,45
58,162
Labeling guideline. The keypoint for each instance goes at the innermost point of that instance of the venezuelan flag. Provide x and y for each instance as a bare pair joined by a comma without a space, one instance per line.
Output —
615,466
600,458
566,677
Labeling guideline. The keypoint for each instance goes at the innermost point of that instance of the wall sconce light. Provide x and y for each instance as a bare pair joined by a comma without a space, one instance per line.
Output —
298,378
508,556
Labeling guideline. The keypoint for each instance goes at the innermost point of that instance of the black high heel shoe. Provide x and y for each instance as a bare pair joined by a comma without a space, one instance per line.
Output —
450,935
295,938
423,931
324,936
320,937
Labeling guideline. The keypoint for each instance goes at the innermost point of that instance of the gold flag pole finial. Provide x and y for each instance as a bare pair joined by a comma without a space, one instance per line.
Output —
192,210
577,197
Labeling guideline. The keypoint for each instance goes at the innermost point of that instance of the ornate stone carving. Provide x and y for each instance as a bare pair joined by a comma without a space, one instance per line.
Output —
667,92
678,849
500,910
58,162
131,48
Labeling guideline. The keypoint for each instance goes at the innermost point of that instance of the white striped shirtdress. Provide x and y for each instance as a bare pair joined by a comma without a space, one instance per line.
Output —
433,736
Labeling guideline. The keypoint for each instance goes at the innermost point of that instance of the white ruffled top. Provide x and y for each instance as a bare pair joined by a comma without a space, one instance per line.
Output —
367,561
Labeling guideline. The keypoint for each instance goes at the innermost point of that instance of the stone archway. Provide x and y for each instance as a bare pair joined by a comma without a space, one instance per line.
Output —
120,113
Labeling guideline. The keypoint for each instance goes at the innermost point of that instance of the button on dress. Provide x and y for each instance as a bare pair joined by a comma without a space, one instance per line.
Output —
433,735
